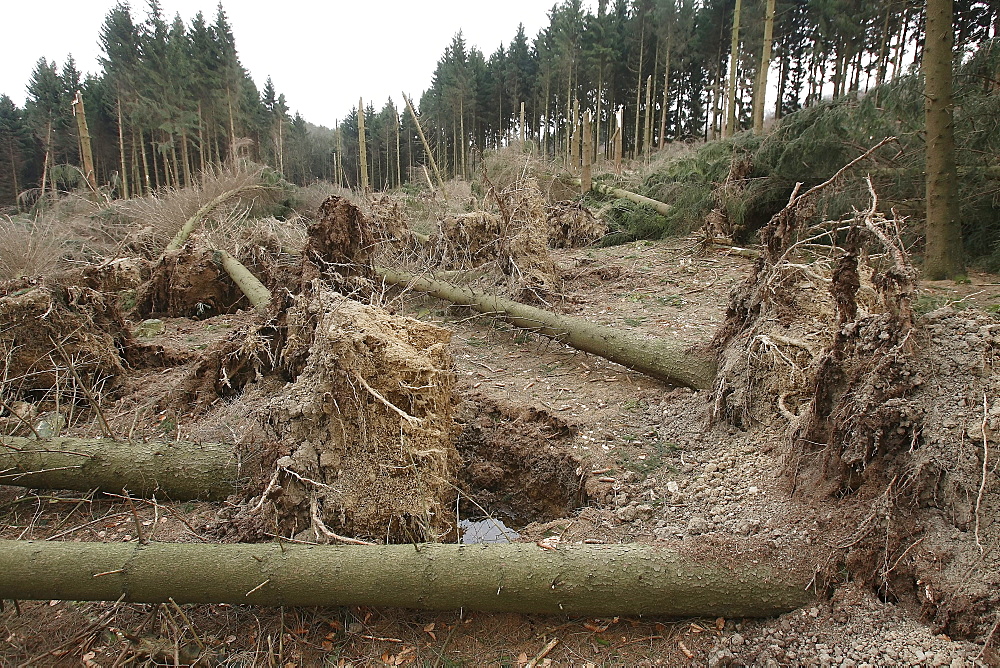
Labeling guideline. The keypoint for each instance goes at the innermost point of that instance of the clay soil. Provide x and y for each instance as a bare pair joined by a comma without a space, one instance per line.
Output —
558,445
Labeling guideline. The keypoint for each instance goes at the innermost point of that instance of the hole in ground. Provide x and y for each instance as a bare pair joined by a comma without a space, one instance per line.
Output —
518,467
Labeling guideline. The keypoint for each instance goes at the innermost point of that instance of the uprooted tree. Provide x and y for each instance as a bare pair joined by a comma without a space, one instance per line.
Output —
821,342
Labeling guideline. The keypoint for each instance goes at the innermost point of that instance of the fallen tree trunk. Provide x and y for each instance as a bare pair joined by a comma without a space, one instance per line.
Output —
660,207
177,470
672,361
598,580
255,291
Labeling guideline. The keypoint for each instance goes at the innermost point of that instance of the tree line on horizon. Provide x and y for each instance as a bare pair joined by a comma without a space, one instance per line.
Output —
173,98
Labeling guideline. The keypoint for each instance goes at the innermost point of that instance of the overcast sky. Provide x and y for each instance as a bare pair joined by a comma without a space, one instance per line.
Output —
322,55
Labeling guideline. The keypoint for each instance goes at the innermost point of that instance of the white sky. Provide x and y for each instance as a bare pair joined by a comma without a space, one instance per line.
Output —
322,55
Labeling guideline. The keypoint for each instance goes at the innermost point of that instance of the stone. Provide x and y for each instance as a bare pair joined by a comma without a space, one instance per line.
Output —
147,329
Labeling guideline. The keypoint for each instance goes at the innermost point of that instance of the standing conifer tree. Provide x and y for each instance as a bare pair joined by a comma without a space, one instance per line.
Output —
944,228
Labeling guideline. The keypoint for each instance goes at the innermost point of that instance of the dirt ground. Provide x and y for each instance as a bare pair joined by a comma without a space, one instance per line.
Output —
555,443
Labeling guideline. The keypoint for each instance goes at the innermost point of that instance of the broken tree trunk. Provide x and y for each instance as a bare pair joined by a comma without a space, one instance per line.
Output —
593,580
177,470
427,148
672,361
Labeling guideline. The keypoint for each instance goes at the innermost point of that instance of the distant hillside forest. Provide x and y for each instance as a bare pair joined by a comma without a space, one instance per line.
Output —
172,98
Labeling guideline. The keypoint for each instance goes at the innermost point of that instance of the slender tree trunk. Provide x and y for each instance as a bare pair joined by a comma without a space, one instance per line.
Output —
362,147
574,141
574,580
121,151
172,165
760,95
427,148
48,158
782,87
619,141
461,129
185,157
524,128
586,181
145,162
883,50
13,174
600,109
548,118
638,88
86,150
734,57
202,145
648,124
897,61
944,228
399,155
232,126
666,88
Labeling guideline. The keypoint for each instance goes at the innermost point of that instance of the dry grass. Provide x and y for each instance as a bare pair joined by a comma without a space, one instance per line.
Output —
505,168
306,201
32,247
156,218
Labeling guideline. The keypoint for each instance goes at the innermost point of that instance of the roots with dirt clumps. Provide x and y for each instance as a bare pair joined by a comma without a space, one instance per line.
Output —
366,425
572,225
512,237
888,415
40,320
190,283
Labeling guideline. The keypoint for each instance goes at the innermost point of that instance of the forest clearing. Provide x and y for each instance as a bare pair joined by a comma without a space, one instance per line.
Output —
555,367
355,408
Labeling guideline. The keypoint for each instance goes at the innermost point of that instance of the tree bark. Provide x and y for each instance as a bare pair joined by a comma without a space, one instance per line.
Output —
255,291
176,469
591,580
124,194
586,179
668,360
943,258
734,56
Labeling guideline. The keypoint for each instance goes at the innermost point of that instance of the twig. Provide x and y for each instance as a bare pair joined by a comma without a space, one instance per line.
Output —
795,199
189,624
85,525
86,390
258,587
34,661
982,482
541,655
170,510
135,518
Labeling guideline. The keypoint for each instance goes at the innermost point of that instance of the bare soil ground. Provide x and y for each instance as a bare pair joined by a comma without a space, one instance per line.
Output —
557,444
